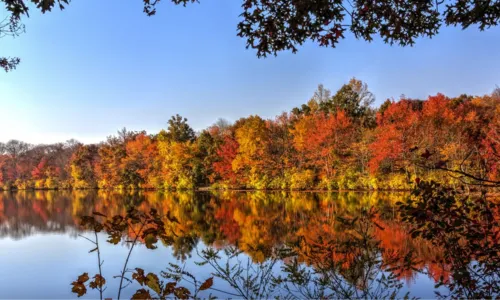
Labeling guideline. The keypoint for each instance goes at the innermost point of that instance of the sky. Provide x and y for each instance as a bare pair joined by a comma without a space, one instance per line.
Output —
99,66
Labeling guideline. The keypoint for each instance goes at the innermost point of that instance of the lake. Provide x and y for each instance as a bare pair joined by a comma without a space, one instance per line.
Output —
283,243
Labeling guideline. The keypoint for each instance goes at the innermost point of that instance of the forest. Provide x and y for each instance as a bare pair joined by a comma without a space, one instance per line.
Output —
335,141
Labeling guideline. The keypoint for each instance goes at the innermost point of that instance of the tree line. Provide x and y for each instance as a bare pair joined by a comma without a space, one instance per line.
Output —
334,141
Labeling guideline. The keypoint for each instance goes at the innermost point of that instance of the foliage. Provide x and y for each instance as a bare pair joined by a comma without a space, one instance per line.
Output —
179,130
145,227
83,163
468,227
302,180
274,26
335,141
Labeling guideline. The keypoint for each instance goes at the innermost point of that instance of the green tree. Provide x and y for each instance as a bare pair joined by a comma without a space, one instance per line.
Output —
353,98
205,155
179,130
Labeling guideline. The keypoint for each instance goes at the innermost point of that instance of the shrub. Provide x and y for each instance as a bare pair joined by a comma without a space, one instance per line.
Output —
301,180
40,184
24,184
259,182
185,183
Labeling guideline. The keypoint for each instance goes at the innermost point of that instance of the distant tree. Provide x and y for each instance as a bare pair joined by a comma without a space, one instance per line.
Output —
223,125
205,156
226,154
252,137
384,106
353,98
496,93
179,130
178,163
125,135
15,148
82,164
278,25
321,94
395,137
320,97
323,141
140,168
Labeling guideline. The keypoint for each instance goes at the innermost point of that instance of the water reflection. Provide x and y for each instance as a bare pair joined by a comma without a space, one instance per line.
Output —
304,238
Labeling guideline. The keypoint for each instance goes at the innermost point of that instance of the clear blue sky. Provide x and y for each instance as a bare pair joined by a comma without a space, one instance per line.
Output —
101,65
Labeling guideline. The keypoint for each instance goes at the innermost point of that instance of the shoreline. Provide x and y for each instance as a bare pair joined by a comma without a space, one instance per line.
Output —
207,189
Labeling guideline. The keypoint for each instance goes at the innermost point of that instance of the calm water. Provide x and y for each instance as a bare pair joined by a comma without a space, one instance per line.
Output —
41,251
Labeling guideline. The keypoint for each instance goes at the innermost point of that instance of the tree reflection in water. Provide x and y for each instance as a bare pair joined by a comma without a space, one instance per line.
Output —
314,245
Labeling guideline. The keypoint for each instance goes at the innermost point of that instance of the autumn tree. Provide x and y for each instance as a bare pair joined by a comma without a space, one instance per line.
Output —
355,100
205,155
14,150
321,96
396,131
50,164
323,142
177,152
179,130
112,153
83,164
141,166
177,164
492,140
252,137
280,156
223,165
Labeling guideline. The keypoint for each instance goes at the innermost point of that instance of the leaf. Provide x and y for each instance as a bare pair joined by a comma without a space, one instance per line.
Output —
78,288
139,276
182,293
114,238
207,284
142,294
169,288
150,240
79,285
98,282
83,278
153,282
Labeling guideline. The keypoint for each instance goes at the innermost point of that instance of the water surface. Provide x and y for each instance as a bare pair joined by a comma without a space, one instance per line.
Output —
41,251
